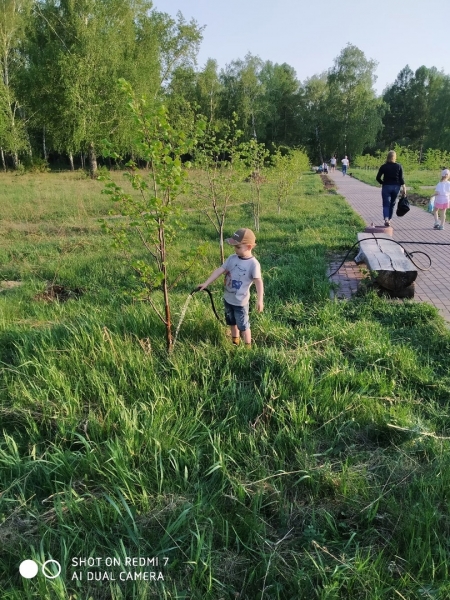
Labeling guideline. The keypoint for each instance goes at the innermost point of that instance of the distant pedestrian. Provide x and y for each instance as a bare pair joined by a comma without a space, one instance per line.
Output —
333,163
441,199
345,165
390,176
324,168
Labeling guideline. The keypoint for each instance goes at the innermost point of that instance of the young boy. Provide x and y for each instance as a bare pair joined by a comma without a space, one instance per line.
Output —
241,270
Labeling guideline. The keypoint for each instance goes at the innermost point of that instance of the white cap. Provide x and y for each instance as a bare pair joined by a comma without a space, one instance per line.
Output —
445,172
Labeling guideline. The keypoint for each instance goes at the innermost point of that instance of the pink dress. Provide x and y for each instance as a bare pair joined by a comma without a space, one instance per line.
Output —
442,197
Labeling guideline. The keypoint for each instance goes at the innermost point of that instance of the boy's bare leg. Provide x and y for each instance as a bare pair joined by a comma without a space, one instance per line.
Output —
247,336
235,335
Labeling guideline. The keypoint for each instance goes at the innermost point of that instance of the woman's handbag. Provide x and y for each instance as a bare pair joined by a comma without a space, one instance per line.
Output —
402,207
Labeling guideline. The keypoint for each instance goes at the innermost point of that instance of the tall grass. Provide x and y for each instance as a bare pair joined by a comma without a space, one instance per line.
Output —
313,466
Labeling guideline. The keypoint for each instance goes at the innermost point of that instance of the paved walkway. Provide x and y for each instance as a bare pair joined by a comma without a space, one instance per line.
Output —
347,278
432,286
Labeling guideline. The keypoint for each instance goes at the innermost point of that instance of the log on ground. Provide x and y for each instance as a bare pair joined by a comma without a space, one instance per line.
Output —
395,271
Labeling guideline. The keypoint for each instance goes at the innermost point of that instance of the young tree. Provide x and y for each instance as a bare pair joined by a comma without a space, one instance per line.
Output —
222,172
151,207
286,170
255,157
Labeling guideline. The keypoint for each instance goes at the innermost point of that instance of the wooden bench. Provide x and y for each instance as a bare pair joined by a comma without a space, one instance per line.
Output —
394,271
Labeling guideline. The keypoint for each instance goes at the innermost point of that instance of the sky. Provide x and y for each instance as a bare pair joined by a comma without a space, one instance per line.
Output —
309,35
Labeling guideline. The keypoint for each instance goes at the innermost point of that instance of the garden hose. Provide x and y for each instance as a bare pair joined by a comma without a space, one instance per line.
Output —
197,289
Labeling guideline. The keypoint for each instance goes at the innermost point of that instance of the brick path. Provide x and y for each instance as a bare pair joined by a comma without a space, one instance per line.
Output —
347,278
432,286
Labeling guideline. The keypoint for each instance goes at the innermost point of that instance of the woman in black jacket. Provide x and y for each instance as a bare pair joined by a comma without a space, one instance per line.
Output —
390,175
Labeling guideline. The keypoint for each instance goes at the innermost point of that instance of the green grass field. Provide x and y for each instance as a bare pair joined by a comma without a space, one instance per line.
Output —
313,466
418,181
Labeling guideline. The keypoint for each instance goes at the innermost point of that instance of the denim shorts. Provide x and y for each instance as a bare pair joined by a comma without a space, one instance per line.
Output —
237,315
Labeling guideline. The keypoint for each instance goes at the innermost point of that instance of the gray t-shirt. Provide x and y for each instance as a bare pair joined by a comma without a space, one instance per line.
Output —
239,276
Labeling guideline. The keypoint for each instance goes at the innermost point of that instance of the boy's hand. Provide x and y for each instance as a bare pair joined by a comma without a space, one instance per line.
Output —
260,306
202,286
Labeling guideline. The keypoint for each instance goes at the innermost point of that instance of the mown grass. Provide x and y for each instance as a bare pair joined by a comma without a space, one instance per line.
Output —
415,180
315,465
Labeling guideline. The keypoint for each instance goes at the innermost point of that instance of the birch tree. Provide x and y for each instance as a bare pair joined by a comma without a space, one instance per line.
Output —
13,19
353,113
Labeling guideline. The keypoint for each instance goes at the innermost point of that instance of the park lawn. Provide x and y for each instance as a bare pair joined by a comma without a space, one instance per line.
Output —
415,180
314,465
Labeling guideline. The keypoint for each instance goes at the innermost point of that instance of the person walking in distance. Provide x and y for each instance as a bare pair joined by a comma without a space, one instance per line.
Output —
345,164
441,199
390,176
241,270
333,163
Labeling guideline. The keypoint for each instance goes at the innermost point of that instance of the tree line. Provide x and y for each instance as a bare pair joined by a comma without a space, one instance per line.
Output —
60,61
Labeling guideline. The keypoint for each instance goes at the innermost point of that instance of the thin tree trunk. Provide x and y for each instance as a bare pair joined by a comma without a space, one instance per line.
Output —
162,245
3,159
222,255
72,168
44,147
257,207
15,158
253,124
92,161
83,162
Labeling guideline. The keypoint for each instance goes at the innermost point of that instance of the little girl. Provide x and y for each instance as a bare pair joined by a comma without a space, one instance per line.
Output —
442,199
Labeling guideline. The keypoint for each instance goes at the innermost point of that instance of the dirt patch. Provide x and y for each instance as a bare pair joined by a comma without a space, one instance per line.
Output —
417,200
9,285
59,293
328,184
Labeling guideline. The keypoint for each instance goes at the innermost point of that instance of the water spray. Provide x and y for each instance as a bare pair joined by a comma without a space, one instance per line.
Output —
185,307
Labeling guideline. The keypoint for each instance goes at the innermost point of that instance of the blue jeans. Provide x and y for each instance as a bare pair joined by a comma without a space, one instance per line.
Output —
389,195
237,315
344,169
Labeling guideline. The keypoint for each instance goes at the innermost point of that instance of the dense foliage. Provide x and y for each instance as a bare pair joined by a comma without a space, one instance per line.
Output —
60,61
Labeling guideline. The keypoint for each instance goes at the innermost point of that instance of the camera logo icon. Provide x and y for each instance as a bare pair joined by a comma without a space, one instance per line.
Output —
29,569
